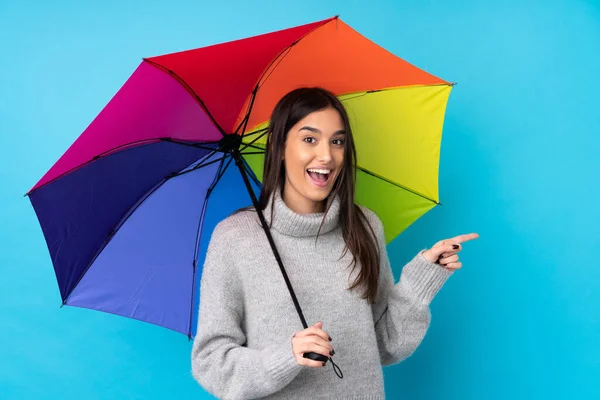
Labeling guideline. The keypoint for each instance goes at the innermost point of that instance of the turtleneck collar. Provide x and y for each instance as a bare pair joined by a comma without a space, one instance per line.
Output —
290,223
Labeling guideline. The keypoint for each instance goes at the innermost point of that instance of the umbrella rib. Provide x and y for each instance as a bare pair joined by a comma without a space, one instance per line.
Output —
122,222
114,231
122,147
189,89
247,116
253,147
256,132
204,158
224,169
366,171
199,238
250,144
192,144
278,59
355,95
197,167
250,171
287,50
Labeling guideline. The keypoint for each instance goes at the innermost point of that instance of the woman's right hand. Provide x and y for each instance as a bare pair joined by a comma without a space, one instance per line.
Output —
312,339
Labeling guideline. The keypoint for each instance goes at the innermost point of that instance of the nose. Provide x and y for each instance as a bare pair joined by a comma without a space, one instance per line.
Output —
324,152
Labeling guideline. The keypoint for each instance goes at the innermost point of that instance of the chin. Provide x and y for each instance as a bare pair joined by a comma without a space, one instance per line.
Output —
317,196
306,189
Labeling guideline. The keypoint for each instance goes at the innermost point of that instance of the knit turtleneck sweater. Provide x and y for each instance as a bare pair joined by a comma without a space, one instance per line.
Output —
246,320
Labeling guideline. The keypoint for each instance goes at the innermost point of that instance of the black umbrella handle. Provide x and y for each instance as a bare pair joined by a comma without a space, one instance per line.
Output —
311,355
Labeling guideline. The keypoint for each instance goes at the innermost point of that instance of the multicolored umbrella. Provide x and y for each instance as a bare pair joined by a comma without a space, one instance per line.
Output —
128,210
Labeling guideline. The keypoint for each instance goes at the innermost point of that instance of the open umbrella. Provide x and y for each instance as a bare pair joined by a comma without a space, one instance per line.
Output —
128,209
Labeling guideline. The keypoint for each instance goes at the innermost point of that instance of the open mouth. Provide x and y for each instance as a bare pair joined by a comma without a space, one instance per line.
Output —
320,177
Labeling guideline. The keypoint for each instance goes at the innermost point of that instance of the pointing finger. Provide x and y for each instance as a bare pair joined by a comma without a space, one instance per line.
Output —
464,238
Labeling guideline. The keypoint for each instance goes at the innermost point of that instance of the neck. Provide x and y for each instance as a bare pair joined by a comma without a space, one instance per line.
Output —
301,205
289,222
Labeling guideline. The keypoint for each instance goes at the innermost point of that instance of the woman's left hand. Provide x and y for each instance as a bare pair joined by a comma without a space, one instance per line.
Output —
445,252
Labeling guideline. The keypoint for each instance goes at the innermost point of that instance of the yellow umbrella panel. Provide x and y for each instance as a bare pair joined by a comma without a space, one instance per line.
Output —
398,135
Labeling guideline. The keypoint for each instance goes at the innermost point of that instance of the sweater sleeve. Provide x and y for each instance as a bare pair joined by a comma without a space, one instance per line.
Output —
401,312
221,362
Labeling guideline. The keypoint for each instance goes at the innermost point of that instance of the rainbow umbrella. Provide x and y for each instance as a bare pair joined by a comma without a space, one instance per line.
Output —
128,209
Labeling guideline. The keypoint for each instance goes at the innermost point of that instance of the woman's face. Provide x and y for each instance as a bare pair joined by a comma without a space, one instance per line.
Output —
313,157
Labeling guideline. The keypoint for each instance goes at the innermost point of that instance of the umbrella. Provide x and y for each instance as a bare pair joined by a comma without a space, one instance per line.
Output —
128,209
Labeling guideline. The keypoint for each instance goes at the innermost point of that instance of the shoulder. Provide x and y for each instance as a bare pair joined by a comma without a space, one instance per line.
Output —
372,218
238,225
375,223
231,237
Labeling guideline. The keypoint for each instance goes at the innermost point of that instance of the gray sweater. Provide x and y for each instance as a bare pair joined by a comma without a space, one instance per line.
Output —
242,349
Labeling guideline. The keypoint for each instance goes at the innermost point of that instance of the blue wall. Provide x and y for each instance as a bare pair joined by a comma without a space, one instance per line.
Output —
519,166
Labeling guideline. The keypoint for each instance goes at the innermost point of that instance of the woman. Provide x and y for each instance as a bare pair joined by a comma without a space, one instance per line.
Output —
249,343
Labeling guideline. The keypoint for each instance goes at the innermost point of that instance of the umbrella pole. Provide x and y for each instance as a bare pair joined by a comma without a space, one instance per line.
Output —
310,355
239,163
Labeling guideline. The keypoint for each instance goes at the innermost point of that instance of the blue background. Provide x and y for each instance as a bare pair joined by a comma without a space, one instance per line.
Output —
519,165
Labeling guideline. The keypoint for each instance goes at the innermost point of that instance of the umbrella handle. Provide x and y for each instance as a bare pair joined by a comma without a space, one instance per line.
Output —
315,356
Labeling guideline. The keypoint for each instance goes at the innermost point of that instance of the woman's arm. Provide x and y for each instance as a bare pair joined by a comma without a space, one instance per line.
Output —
220,361
401,312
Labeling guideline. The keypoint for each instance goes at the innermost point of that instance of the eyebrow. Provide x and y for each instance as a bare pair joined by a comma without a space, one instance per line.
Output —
315,130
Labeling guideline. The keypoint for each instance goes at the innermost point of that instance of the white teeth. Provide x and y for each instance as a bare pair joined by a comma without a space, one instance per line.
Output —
319,171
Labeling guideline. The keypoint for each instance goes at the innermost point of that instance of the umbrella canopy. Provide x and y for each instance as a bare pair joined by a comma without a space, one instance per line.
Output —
127,211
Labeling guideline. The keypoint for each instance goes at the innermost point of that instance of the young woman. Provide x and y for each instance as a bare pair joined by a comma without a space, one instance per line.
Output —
249,342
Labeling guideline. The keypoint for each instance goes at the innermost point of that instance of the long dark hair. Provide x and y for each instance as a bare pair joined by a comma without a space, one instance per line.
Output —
358,235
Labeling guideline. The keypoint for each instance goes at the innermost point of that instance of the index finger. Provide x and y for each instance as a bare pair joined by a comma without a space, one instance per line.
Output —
464,238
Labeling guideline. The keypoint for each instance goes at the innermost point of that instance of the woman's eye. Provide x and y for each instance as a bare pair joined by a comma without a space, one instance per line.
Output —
308,139
338,142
